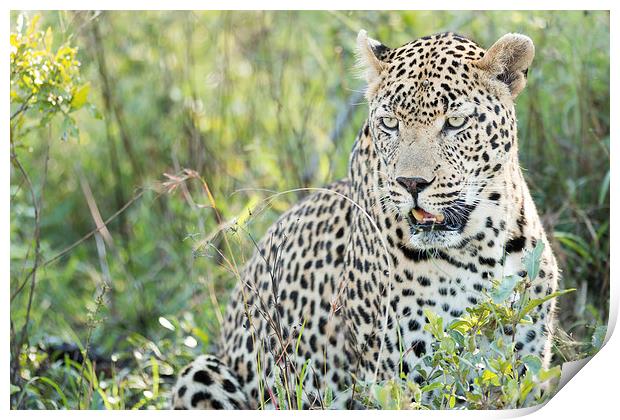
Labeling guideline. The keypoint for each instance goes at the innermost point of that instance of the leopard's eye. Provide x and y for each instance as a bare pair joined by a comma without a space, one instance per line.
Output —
455,122
389,124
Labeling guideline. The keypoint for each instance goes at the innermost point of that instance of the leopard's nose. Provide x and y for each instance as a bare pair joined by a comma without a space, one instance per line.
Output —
413,185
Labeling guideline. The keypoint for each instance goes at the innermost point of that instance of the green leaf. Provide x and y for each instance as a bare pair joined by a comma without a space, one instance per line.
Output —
79,96
155,374
328,397
458,337
280,393
69,129
505,289
546,374
48,40
460,325
448,344
435,324
56,388
536,302
498,346
604,189
432,387
14,389
598,338
466,362
299,387
301,331
201,334
533,363
94,112
511,390
490,377
525,388
531,260
575,243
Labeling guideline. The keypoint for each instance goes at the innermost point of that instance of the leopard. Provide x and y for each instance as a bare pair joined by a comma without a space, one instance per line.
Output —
434,209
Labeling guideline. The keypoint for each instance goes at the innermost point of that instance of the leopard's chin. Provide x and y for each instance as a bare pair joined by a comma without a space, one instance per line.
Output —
427,240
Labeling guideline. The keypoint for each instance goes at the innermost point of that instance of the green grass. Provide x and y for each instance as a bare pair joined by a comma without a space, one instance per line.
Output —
254,103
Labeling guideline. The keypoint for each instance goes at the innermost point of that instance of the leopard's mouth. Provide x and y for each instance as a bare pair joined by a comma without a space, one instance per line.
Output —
423,221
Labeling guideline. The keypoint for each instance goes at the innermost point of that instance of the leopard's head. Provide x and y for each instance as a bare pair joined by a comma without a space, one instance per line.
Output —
441,117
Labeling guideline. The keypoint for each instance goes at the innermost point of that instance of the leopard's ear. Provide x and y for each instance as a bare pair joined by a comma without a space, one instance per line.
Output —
508,61
369,59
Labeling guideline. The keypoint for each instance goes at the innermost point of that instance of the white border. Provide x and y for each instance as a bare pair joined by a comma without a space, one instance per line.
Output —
592,393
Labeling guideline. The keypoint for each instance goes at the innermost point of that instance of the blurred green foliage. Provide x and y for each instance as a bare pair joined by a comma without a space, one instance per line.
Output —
44,80
254,103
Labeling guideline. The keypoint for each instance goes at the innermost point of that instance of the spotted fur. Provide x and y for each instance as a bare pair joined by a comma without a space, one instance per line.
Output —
350,268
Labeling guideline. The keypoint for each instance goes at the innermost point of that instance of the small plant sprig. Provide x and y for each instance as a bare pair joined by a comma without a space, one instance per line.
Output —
44,79
474,364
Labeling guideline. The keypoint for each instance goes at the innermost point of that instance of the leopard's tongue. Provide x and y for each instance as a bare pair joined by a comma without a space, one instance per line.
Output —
423,216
